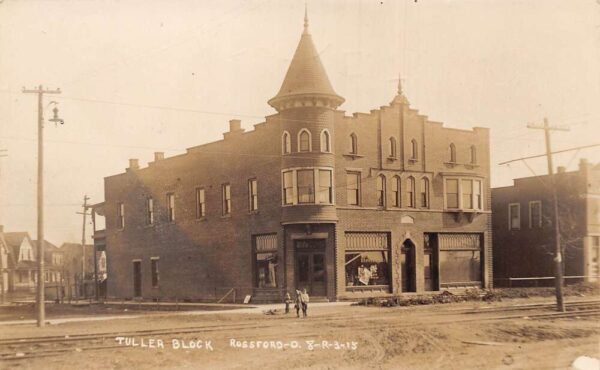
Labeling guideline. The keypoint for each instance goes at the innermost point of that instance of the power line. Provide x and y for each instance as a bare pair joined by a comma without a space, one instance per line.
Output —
555,152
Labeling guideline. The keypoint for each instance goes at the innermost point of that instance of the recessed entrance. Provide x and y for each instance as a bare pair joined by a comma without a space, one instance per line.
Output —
310,266
407,267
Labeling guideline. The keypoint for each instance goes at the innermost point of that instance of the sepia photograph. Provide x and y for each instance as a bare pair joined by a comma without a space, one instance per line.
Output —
300,184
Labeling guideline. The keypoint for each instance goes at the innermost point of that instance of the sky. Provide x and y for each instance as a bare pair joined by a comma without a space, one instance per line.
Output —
144,76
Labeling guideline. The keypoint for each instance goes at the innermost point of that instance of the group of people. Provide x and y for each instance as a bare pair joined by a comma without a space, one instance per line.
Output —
300,302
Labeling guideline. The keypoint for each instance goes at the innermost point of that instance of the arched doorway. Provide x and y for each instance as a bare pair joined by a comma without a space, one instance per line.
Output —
407,267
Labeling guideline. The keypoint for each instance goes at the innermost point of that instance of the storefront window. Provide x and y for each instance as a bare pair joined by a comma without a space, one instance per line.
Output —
266,270
460,266
365,268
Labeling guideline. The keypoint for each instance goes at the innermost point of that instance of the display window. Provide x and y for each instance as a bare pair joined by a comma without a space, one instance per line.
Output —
266,270
364,268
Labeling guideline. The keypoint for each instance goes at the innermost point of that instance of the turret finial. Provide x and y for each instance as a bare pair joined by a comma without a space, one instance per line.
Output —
400,85
305,18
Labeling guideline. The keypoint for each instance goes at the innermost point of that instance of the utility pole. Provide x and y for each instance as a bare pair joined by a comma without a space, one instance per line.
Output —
41,309
95,254
558,258
2,267
84,213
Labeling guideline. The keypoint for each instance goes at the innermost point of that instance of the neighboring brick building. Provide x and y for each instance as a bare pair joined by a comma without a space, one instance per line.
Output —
523,232
375,203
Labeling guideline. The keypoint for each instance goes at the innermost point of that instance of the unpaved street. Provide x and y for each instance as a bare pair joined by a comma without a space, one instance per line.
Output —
453,336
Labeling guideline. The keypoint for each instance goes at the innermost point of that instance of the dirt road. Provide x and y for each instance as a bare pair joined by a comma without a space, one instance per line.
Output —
453,336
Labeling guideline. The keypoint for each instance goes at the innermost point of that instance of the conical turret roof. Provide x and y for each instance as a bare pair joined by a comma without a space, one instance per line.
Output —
306,75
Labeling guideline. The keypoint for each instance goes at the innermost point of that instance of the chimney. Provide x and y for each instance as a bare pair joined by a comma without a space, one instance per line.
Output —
134,164
583,164
561,169
235,125
159,156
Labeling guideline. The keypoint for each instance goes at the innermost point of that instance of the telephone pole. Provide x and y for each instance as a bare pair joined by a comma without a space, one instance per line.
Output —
40,91
84,213
2,267
558,258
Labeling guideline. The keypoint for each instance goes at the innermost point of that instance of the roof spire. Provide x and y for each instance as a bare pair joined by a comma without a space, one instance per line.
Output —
400,98
305,19
400,84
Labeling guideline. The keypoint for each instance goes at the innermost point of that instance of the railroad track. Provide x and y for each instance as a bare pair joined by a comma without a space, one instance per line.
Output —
34,347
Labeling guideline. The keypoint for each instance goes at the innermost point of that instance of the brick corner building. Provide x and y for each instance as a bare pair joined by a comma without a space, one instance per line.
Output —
376,203
523,227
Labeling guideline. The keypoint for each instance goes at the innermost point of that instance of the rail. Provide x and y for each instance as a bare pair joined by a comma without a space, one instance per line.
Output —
538,278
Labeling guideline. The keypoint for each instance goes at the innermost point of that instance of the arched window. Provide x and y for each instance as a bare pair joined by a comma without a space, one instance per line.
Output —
325,141
353,144
414,150
473,154
304,141
452,153
410,192
392,148
396,194
286,143
424,192
381,191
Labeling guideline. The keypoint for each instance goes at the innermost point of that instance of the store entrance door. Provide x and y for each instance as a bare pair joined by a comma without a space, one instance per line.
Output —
310,267
407,267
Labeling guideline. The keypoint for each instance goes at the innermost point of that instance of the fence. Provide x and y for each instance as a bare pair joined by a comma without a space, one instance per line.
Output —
537,279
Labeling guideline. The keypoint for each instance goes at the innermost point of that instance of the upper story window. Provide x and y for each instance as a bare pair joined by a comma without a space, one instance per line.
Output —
200,203
381,191
396,194
414,150
325,141
452,193
514,216
304,141
410,192
307,186
424,192
121,215
286,143
353,148
149,211
392,147
463,193
226,199
288,187
353,188
535,214
253,195
452,153
325,187
171,207
306,191
473,154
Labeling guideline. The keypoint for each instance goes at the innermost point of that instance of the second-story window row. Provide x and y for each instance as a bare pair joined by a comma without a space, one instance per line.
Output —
463,193
307,186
